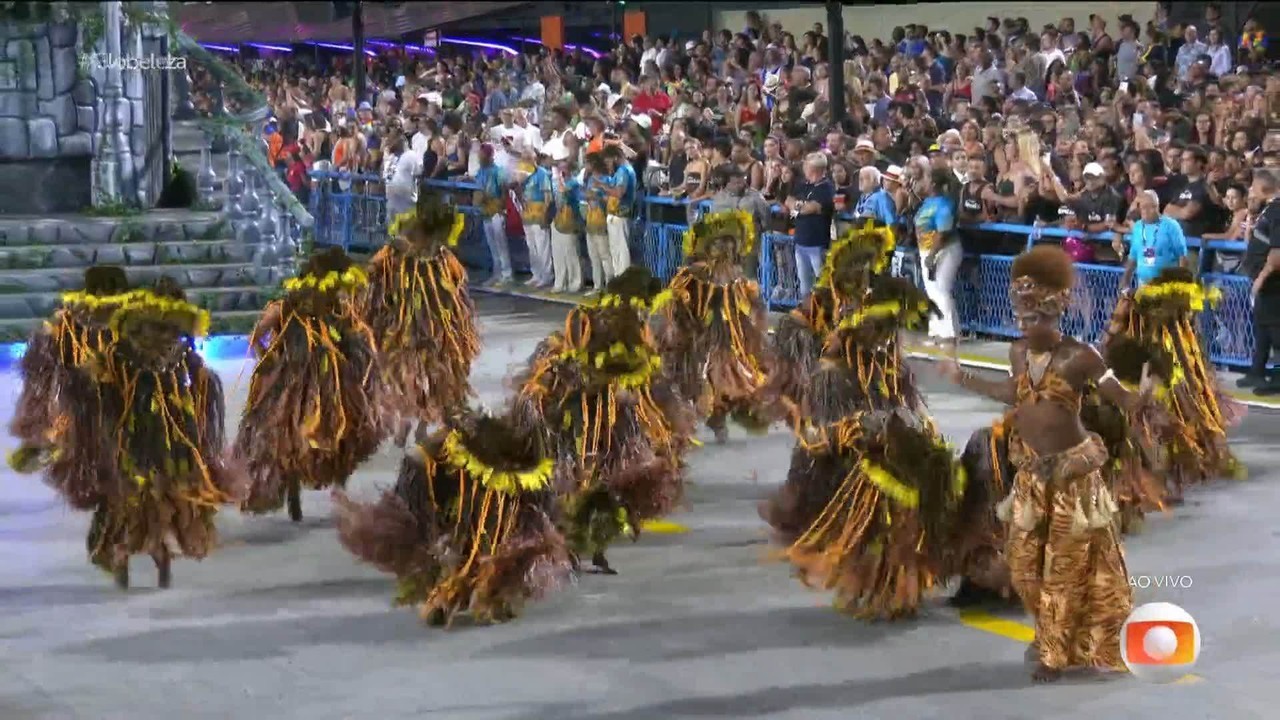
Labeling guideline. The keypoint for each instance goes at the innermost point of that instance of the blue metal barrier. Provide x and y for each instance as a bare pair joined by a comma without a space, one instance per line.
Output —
351,213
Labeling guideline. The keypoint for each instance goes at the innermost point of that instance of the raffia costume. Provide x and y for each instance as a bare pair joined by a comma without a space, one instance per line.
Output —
1160,319
619,436
467,526
422,316
712,327
842,287
872,485
142,440
1062,546
312,414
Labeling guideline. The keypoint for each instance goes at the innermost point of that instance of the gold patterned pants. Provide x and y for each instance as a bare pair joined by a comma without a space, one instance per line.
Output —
1064,557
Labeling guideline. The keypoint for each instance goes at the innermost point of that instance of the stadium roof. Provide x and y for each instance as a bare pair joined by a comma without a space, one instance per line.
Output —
292,22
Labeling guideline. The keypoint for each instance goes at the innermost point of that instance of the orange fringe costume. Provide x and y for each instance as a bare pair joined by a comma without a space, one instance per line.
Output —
1062,546
1161,318
467,526
846,275
151,436
619,436
712,327
422,315
312,415
866,507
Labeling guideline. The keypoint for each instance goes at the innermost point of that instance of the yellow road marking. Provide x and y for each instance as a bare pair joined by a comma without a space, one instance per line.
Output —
1188,679
986,622
663,527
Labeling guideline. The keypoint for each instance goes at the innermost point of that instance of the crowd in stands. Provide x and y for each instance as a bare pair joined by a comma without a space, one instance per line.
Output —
1146,136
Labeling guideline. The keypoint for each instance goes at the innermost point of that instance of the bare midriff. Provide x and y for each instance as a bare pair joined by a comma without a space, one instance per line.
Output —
1047,416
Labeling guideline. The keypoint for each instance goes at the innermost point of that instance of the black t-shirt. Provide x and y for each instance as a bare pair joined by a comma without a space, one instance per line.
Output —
814,230
1095,207
1188,191
1264,238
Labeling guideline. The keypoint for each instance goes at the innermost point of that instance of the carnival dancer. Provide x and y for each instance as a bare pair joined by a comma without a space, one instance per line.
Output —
312,414
618,435
845,280
422,316
142,441
1161,320
1061,545
872,484
712,326
467,526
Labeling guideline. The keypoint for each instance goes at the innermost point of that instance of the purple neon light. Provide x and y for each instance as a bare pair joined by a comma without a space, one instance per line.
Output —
593,53
477,43
277,48
348,48
406,46
220,48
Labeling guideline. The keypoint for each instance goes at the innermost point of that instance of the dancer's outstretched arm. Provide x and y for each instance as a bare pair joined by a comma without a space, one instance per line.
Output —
1003,390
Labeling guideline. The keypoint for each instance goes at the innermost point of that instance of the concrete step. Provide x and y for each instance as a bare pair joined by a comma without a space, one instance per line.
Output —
249,298
235,322
182,252
230,275
154,226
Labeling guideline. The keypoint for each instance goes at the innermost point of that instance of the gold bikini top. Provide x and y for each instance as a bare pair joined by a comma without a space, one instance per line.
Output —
1052,388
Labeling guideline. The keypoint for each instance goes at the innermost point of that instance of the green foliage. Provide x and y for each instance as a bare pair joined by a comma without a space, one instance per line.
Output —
115,209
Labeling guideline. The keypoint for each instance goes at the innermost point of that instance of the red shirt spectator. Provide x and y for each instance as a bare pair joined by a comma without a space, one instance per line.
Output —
651,100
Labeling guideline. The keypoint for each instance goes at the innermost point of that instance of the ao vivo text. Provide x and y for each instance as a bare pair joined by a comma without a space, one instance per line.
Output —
1162,582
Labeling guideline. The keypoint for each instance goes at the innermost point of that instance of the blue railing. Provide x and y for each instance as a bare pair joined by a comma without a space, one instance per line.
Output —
350,212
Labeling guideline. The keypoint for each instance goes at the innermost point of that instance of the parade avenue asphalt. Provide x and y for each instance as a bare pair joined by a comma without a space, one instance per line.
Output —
281,623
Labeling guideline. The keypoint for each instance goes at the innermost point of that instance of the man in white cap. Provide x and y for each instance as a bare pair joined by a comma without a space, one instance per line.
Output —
1097,208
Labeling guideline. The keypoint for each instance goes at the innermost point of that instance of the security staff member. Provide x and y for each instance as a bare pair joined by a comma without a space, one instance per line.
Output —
1262,263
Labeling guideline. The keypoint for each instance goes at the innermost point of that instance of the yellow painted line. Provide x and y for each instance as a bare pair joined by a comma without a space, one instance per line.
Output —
663,527
1189,679
1010,629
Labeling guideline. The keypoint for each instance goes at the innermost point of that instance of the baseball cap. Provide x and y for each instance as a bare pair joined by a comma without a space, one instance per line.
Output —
604,88
934,149
643,121
1093,169
365,106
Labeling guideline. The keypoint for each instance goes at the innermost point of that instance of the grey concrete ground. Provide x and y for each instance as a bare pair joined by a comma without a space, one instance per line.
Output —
281,623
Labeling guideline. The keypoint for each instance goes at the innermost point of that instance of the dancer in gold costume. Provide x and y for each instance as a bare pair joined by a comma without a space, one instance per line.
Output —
1159,321
135,431
618,432
312,415
467,527
845,282
422,316
1062,547
712,327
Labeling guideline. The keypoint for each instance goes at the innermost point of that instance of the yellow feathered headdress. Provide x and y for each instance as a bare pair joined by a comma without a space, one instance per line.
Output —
738,224
1177,290
868,245
494,451
431,221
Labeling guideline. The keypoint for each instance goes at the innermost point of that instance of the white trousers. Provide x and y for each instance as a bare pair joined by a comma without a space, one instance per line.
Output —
601,263
941,287
539,241
619,252
566,262
495,234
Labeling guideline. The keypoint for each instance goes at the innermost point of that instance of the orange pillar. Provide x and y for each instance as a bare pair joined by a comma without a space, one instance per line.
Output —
633,23
553,32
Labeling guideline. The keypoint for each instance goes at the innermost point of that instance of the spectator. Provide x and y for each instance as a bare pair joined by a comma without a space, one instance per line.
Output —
812,207
940,253
401,170
1190,205
1219,54
1155,243
875,202
1262,264
491,198
1190,51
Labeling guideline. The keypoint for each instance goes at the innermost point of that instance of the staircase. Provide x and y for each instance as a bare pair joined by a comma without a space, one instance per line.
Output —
189,145
43,257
